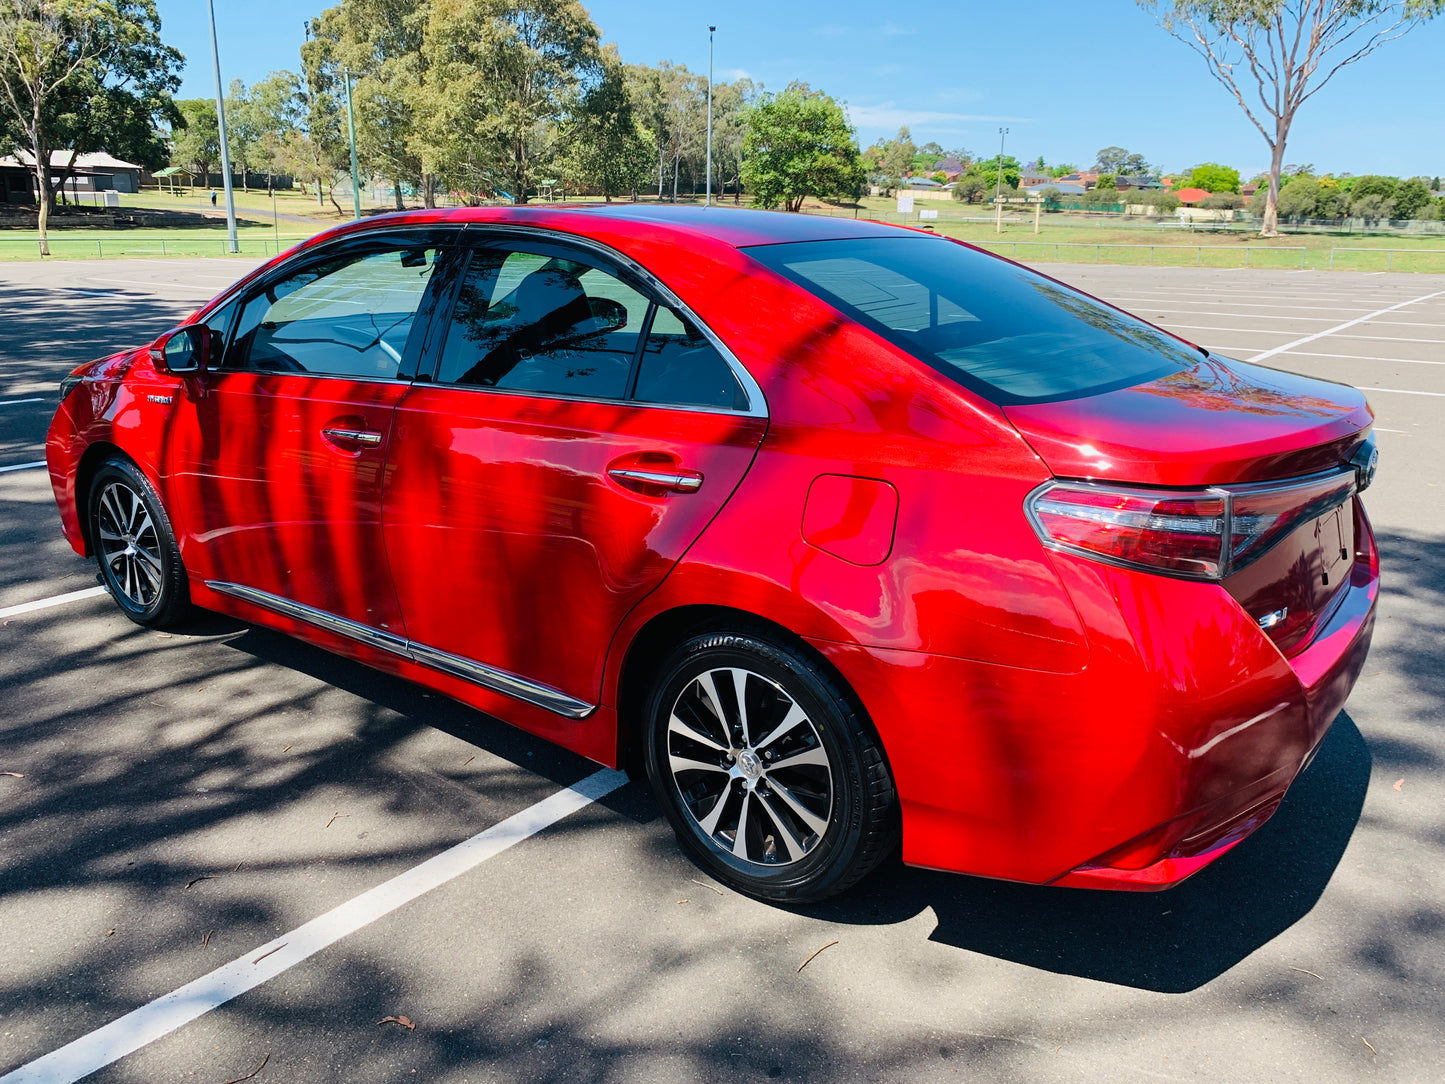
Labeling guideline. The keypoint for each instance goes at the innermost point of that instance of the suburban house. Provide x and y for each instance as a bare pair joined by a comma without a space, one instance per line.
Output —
92,172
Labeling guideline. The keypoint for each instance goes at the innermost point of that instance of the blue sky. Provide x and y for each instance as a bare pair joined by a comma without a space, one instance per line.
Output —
1064,78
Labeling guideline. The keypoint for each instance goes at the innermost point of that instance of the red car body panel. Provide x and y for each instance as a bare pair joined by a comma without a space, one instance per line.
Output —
1046,717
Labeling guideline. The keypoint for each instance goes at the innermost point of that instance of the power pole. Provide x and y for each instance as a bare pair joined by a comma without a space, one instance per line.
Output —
351,131
709,116
998,187
232,244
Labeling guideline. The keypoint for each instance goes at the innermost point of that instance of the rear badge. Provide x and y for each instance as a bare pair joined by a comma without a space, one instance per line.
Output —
1270,620
163,399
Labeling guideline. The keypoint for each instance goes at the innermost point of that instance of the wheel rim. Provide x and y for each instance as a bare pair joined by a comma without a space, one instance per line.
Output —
130,546
750,767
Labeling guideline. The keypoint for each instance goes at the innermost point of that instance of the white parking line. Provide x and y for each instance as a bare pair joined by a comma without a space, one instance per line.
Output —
1359,357
17,402
1402,391
53,600
1347,323
165,1014
23,466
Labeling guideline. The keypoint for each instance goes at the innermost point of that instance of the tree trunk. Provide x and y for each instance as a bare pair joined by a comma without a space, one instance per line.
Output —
396,192
429,190
42,205
1270,226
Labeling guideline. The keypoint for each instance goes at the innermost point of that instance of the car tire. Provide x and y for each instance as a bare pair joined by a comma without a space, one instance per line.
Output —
789,799
130,533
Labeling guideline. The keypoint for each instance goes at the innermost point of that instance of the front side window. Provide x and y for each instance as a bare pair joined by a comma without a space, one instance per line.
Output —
349,315
1009,334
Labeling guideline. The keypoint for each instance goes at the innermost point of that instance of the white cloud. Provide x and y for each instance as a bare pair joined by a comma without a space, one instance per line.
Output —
889,115
736,73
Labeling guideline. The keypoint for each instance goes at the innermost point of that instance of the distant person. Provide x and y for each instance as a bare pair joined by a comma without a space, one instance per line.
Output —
213,197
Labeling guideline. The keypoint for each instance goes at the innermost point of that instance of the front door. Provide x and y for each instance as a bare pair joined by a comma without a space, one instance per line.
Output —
278,453
578,435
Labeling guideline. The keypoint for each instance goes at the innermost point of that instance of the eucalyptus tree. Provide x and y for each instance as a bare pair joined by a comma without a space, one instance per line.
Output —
498,76
84,75
1274,55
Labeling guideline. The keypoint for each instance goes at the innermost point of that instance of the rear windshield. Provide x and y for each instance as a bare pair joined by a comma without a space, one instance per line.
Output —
999,329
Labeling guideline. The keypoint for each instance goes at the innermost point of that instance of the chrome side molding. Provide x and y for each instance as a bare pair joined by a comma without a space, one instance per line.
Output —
479,673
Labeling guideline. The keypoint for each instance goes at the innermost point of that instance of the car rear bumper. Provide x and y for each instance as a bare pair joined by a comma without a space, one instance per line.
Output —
1178,740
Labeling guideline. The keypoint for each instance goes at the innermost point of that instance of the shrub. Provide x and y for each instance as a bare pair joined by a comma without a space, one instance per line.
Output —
1222,201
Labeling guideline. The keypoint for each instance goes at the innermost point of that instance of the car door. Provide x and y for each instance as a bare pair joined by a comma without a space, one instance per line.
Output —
578,432
278,453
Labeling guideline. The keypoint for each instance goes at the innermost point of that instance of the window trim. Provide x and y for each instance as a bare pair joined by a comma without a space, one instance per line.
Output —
485,235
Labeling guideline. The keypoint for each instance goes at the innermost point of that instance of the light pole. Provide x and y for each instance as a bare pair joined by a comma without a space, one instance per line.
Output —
709,116
232,245
351,132
998,187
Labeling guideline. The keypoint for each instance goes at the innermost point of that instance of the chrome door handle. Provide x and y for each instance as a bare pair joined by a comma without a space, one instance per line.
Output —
679,481
356,436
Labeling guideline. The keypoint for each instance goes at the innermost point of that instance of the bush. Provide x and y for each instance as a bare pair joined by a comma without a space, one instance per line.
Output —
1372,206
1300,199
1411,198
1222,201
1156,199
969,188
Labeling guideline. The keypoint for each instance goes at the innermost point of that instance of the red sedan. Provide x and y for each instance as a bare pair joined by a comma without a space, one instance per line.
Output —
839,532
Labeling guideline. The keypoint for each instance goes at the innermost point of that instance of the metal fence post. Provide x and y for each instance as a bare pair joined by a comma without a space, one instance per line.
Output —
1332,259
99,254
1389,258
163,246
1198,255
1246,255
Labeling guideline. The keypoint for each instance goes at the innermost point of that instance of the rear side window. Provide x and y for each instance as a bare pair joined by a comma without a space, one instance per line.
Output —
527,322
1003,331
553,325
679,365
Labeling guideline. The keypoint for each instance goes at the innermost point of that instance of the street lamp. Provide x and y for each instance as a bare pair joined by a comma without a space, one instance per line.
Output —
351,132
232,245
709,116
998,187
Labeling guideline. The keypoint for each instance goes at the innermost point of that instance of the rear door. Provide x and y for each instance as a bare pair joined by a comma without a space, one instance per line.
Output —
579,431
278,453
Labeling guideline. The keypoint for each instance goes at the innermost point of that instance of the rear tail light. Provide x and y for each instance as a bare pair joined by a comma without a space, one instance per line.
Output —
1203,534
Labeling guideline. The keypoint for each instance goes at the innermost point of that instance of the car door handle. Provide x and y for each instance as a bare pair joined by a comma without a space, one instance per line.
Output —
679,481
369,437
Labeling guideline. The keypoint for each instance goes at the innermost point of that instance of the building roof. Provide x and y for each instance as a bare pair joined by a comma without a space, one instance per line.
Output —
1062,187
922,182
174,171
1190,195
91,162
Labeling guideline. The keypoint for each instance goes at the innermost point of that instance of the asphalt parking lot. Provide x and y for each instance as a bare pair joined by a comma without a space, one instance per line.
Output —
172,803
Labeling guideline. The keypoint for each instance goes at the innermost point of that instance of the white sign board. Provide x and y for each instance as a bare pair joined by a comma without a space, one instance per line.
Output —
927,214
905,205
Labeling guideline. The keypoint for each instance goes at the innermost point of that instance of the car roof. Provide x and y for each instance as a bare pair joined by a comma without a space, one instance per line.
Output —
737,227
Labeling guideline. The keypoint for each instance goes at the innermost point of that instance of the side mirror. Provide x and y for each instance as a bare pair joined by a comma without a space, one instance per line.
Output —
607,313
183,350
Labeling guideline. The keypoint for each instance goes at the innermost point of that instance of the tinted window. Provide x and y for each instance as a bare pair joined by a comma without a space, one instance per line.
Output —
537,323
1002,330
347,316
680,366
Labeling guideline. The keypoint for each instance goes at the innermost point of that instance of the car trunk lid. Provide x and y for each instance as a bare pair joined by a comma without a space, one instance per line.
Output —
1279,445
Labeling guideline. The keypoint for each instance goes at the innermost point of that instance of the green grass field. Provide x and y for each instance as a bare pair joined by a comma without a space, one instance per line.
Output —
1062,237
